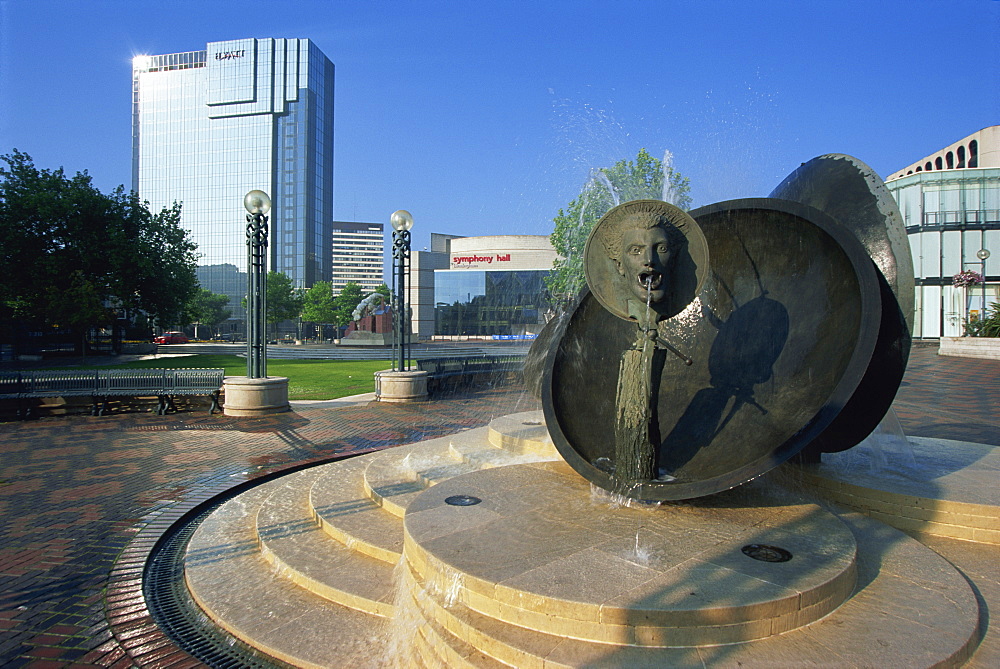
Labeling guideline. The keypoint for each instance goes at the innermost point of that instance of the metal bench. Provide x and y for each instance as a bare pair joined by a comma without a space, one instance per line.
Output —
194,382
469,370
102,385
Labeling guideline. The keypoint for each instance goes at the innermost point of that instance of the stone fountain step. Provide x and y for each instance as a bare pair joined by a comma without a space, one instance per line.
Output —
243,595
540,554
522,433
300,551
396,476
343,503
953,492
910,608
391,478
469,447
347,514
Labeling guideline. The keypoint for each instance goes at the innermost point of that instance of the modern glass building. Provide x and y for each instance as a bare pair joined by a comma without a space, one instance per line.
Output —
489,287
490,303
950,202
358,250
210,125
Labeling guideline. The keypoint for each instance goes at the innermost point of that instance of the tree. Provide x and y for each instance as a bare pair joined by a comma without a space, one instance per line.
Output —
73,256
350,296
284,302
206,308
622,182
318,304
383,290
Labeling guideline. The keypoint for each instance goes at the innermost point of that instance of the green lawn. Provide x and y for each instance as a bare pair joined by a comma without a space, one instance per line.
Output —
307,379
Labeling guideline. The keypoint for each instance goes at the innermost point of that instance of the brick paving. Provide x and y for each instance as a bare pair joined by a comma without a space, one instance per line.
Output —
83,499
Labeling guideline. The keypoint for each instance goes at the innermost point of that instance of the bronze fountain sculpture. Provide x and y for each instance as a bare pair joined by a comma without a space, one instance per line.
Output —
740,335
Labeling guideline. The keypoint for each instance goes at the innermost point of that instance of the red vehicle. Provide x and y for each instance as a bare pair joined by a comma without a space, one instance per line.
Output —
171,338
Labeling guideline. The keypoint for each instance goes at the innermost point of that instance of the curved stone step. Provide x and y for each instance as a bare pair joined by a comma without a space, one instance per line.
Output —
299,550
948,488
396,476
345,512
437,647
390,479
242,594
522,434
474,448
452,630
543,556
910,608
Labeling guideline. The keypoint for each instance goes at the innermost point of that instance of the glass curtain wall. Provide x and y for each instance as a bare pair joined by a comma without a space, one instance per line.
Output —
484,303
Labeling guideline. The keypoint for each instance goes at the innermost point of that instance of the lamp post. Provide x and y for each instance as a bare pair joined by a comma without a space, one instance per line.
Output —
401,221
983,254
257,204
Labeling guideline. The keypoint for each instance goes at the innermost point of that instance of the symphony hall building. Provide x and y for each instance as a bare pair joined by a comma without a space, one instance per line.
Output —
481,287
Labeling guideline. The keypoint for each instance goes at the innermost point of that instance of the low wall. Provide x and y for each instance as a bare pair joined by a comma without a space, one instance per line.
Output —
971,347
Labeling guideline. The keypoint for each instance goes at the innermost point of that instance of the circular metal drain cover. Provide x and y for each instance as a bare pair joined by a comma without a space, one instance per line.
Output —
766,553
462,500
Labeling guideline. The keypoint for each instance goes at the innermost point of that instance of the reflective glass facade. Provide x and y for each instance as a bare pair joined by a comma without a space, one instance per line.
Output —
487,303
950,215
209,126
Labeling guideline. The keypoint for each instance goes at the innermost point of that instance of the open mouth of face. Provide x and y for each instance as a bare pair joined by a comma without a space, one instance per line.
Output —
650,280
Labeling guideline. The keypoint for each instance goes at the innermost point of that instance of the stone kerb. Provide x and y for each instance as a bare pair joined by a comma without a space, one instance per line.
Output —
246,397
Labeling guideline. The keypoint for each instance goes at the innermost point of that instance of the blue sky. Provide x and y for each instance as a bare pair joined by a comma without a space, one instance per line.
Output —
486,117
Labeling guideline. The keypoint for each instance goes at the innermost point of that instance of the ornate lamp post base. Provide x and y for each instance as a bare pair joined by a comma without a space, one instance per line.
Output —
401,386
246,397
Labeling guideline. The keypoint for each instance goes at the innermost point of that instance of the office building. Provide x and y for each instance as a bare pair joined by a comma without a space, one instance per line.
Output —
358,255
210,125
950,203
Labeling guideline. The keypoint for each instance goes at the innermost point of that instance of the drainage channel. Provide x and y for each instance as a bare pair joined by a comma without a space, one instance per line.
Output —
178,616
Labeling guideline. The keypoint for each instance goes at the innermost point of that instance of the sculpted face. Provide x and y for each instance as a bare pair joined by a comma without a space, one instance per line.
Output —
646,254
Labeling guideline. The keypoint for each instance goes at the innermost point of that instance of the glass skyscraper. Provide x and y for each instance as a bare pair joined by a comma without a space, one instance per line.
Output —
208,126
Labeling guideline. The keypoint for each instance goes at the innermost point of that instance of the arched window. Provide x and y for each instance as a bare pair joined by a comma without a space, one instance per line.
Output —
928,166
919,169
911,172
961,157
973,153
950,160
938,163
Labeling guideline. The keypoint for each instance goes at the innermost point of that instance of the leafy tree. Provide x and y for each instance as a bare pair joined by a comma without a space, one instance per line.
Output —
350,296
73,256
384,291
206,308
284,302
622,182
318,303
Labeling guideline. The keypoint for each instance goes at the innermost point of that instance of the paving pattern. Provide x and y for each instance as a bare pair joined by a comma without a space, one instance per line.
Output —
83,499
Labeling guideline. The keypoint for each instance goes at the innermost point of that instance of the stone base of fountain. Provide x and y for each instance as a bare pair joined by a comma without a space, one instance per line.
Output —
247,398
388,558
